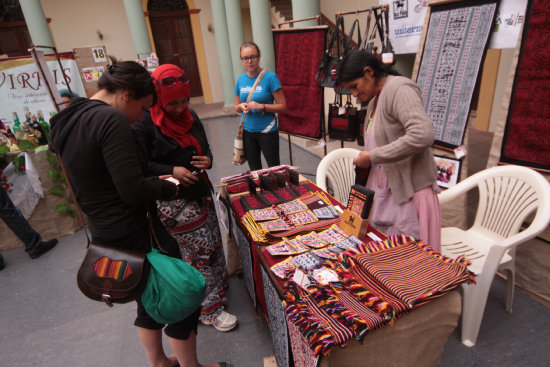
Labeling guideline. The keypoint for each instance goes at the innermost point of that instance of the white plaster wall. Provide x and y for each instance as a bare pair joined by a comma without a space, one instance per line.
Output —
74,24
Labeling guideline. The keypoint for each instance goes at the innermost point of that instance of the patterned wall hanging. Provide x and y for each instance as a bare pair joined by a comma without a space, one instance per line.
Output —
527,135
455,45
297,55
277,321
246,261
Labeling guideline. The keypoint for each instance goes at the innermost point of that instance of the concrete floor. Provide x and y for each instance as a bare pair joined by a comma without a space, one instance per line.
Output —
46,321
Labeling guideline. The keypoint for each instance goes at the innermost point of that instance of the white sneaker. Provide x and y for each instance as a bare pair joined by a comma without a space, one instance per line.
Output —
224,321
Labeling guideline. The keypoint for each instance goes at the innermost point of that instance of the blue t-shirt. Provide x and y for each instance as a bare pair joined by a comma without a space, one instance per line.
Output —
259,121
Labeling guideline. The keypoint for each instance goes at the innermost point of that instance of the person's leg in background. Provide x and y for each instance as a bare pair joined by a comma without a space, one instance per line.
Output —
13,218
252,150
269,144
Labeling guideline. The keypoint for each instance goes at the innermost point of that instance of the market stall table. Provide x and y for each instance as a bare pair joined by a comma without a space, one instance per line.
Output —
417,338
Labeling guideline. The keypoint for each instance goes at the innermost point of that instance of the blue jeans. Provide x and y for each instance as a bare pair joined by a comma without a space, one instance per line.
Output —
257,143
17,223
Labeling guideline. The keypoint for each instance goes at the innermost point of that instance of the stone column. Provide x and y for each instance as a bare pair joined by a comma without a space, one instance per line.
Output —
37,24
235,33
305,9
224,54
138,28
261,31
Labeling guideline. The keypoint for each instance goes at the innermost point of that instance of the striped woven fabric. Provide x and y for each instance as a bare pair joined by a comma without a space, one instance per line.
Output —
339,332
373,320
116,269
404,271
322,318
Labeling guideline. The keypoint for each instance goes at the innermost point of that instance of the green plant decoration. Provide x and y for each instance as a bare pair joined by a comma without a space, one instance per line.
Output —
24,145
60,188
57,190
54,174
4,149
18,162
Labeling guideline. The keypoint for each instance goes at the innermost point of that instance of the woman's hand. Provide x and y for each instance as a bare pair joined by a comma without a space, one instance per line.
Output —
245,107
363,159
185,177
202,162
256,106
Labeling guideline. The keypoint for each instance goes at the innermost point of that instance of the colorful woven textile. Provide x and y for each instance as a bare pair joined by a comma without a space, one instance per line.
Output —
406,271
297,56
322,318
455,43
378,281
527,136
115,269
301,354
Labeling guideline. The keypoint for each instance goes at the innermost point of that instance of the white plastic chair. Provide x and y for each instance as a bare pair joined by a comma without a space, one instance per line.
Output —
337,167
507,196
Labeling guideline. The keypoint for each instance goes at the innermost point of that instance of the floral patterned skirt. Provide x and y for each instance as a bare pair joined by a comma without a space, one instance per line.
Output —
194,224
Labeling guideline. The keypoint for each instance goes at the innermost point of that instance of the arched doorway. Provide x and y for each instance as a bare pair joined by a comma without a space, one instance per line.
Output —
15,39
173,37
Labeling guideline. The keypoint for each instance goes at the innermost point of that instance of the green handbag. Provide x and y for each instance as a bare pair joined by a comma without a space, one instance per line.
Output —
174,289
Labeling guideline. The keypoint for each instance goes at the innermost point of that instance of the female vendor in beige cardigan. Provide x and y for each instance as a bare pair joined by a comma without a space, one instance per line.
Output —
398,140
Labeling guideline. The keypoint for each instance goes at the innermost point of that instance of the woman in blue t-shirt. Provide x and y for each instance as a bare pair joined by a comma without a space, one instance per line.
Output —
260,123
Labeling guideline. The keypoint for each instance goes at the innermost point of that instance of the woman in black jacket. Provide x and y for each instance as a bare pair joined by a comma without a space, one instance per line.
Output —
106,169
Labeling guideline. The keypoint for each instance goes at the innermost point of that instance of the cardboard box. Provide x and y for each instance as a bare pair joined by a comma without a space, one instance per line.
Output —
352,224
92,61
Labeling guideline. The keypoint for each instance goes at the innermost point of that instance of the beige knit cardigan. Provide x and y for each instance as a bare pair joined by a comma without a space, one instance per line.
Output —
404,136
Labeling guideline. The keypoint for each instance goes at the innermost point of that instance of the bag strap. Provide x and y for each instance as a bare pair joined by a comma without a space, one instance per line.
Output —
260,76
80,215
334,38
349,40
366,35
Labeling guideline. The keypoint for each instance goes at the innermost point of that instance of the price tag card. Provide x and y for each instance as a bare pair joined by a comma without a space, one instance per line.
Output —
99,54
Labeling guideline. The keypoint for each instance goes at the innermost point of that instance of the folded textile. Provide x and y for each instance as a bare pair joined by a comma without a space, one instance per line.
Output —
406,271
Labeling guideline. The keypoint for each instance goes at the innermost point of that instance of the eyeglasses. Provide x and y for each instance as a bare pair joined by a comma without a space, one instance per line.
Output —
170,81
249,58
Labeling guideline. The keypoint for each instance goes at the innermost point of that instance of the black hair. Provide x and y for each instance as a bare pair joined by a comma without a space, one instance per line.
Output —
250,44
128,75
352,65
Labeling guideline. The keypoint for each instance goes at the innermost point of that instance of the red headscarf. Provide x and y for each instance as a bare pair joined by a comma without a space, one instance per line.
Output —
174,127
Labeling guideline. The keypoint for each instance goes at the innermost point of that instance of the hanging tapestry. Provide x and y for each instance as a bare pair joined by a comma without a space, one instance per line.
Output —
455,45
297,55
527,135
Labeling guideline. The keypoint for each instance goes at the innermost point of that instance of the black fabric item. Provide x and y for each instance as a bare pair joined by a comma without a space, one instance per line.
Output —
105,166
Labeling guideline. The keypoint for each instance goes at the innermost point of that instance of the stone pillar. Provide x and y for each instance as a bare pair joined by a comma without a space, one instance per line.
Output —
138,28
37,24
224,54
302,9
235,33
261,31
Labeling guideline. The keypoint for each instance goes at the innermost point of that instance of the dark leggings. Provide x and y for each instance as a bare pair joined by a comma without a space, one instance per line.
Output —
257,143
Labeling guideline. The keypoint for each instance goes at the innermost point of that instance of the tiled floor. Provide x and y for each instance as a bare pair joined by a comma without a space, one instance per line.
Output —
45,321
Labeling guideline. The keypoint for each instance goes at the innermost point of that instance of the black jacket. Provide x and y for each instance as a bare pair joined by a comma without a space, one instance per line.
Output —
105,167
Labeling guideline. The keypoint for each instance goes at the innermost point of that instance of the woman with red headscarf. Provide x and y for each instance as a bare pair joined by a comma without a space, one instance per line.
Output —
177,145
